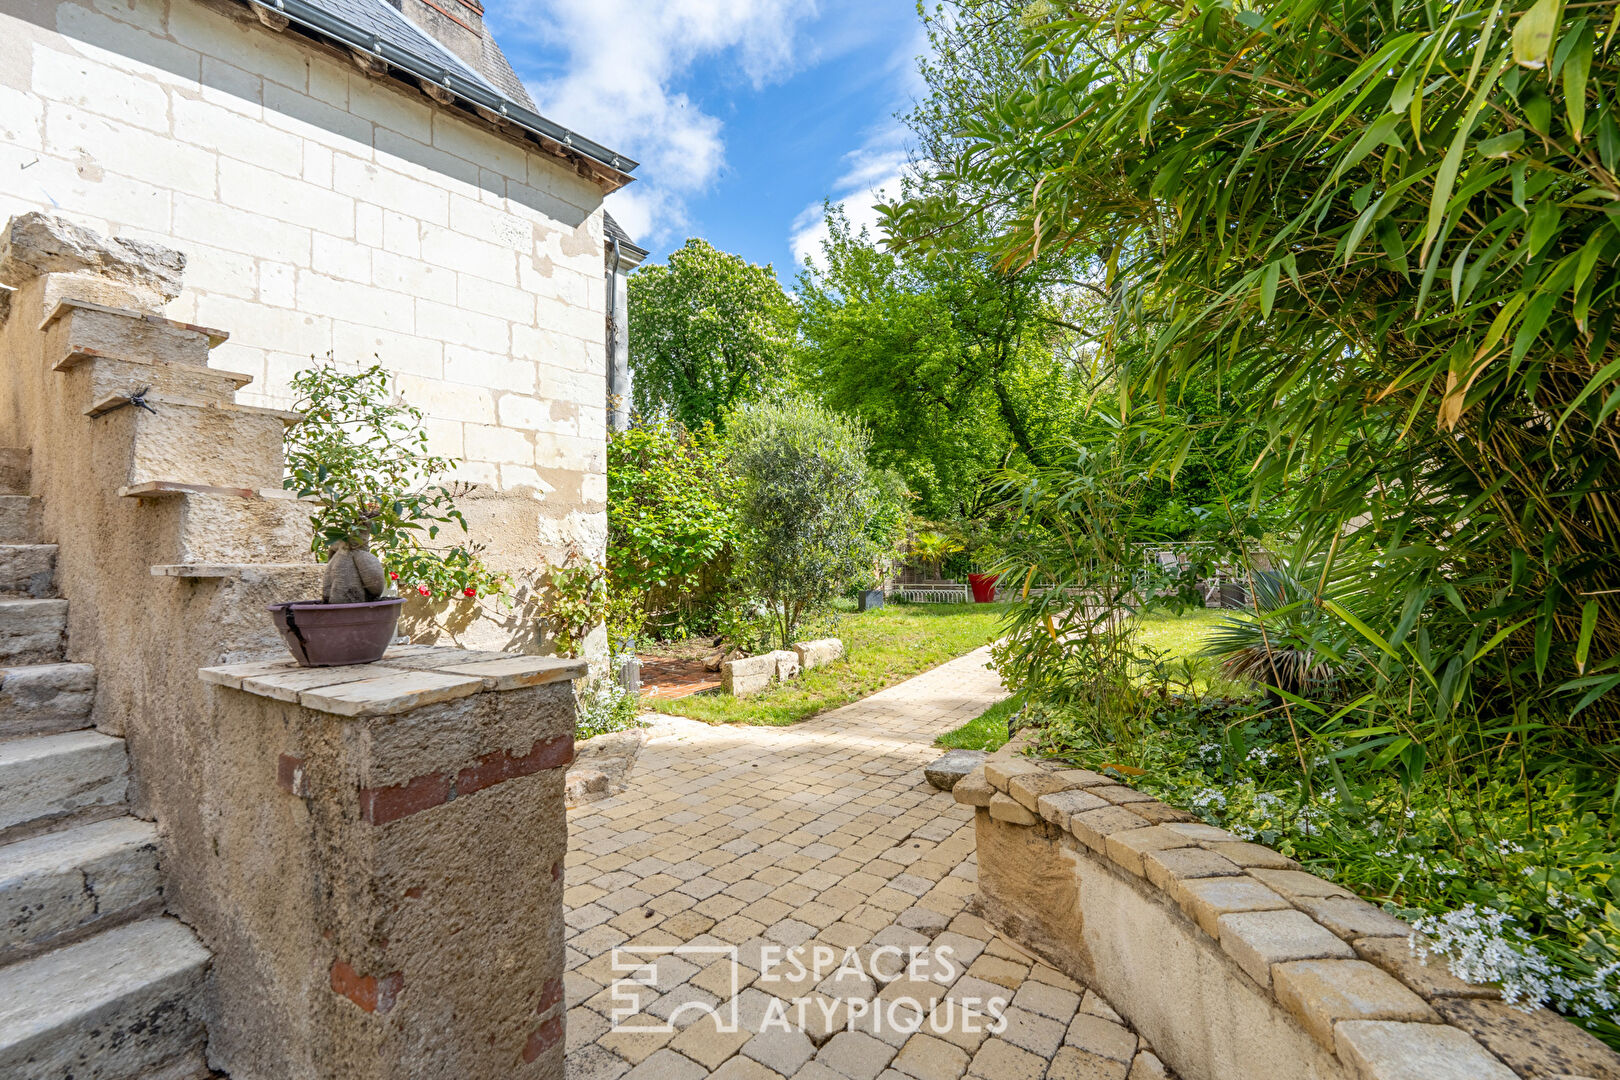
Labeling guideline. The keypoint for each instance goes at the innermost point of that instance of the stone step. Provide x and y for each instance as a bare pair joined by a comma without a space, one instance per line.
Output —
218,526
44,699
116,1006
32,631
14,470
49,777
78,330
225,446
19,519
29,569
92,380
61,883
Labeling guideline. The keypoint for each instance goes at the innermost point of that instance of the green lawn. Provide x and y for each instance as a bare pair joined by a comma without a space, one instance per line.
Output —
882,647
1176,635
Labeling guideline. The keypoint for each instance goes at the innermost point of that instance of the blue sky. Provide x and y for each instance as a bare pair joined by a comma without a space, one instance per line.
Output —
744,114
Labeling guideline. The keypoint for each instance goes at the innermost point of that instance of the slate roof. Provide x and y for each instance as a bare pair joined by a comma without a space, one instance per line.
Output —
379,28
615,231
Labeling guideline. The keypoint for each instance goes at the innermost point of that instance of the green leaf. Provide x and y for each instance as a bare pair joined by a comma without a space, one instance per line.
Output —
1576,68
1268,287
1589,617
1533,34
1503,145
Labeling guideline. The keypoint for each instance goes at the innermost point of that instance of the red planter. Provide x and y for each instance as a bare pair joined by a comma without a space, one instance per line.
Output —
984,587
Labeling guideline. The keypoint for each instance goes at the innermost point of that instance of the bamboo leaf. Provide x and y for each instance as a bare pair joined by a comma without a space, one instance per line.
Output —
1589,616
1534,32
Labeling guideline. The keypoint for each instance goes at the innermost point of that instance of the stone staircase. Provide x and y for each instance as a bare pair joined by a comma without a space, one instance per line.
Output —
95,982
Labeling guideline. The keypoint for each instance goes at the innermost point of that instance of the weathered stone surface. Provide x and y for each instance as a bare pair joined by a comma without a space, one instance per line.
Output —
35,243
44,698
1000,769
1430,980
1389,1050
19,519
1061,806
749,675
1206,900
1005,808
394,693
29,569
62,881
822,651
1083,777
511,672
973,789
45,776
1320,993
32,631
1296,884
1259,939
115,1005
1201,833
1351,917
1244,853
787,664
1029,787
1159,813
1147,1066
1163,867
1120,795
286,684
944,772
1094,827
1127,848
1539,1043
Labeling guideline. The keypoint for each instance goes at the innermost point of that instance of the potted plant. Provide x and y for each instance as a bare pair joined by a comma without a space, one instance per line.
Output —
361,459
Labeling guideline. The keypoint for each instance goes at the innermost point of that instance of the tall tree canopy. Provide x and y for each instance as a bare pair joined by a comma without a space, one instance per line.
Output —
707,331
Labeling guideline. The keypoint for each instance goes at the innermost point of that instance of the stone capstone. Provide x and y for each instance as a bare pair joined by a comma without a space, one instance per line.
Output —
748,675
814,654
35,244
944,772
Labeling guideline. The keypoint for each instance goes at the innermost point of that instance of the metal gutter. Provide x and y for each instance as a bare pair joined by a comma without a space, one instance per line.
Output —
312,17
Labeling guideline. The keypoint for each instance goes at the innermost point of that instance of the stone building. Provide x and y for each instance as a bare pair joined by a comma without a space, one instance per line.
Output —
365,178
213,863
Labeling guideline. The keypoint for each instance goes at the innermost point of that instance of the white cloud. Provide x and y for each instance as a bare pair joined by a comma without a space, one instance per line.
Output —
617,85
872,175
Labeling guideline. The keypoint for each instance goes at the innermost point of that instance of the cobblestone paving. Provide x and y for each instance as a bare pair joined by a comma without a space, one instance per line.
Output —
803,843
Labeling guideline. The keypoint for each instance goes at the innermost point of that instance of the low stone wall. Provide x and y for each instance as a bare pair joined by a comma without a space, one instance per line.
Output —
1229,959
753,674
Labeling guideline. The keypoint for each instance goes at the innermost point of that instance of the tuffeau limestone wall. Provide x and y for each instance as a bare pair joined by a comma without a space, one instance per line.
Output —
325,210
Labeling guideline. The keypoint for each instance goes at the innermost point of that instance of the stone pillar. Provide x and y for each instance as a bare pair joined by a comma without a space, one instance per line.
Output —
386,866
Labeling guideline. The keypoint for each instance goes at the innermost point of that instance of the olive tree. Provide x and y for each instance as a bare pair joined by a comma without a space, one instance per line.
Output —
807,498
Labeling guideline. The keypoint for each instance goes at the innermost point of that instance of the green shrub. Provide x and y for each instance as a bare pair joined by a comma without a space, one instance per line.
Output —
806,503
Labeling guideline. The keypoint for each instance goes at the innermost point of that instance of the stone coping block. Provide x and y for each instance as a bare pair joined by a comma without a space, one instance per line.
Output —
408,677
822,651
1333,968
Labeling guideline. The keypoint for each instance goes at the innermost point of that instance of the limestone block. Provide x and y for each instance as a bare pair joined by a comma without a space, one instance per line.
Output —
1539,1043
1004,808
973,789
1127,848
1159,813
1388,1050
42,698
999,770
1174,864
749,675
1320,993
1093,827
1352,918
31,631
1296,884
47,776
1028,788
1246,854
787,664
1431,980
78,331
944,772
35,244
814,654
58,882
1259,939
28,568
1060,806
1207,900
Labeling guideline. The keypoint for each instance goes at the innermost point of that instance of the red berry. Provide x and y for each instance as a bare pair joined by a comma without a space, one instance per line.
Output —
393,576
469,591
424,590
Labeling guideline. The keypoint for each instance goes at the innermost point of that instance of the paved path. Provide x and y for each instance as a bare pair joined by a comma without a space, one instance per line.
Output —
818,838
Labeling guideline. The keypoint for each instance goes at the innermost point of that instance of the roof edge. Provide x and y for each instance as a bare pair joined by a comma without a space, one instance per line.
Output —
553,137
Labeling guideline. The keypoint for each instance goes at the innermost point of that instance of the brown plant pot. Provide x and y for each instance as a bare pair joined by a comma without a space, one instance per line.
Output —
329,635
